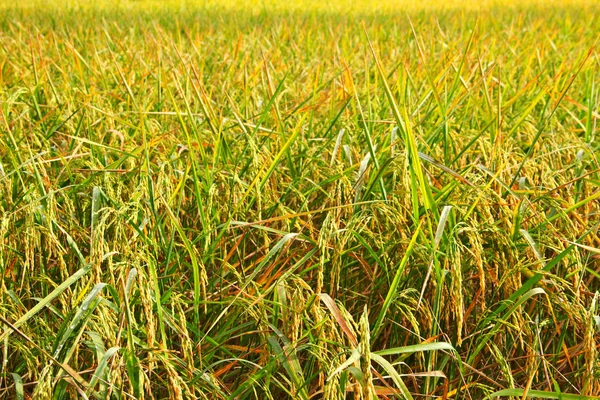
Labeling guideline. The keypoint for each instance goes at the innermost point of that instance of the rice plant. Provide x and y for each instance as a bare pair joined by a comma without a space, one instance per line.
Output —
312,200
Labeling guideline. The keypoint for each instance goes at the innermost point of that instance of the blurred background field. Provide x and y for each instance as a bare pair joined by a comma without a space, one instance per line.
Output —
341,6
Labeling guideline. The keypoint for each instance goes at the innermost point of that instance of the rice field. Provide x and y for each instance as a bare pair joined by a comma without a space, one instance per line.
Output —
299,200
